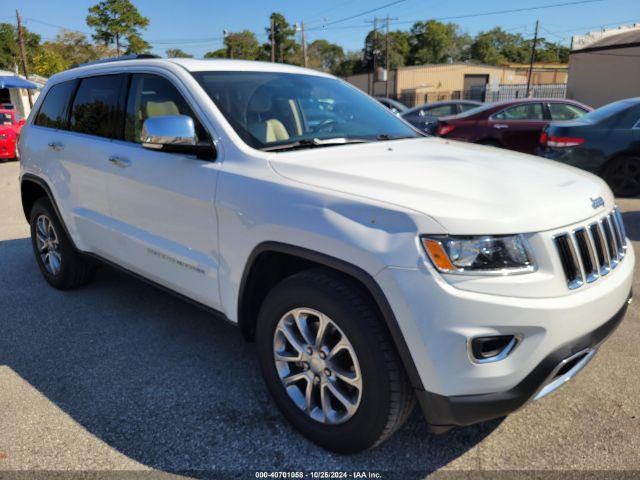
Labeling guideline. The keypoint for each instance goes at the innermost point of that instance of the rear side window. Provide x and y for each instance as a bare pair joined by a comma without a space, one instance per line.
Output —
154,96
526,111
439,111
96,106
464,107
5,119
53,112
565,111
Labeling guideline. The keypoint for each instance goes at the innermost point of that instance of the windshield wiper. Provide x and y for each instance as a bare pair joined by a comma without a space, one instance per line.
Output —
314,143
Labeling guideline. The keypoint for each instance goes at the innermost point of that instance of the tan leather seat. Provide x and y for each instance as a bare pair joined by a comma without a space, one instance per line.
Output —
269,131
266,130
161,109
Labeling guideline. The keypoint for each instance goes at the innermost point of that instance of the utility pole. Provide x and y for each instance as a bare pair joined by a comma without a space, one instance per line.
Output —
304,45
23,56
533,59
225,34
387,48
273,41
374,52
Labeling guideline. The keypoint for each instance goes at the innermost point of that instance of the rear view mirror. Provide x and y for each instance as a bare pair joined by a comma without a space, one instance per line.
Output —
175,134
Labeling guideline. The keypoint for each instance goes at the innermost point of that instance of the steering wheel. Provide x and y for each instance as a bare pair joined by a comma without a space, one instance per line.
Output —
326,125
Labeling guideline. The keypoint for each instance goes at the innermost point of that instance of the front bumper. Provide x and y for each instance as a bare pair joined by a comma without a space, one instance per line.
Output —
445,412
437,319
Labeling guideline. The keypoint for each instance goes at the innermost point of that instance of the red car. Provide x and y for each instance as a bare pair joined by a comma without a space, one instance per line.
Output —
10,125
515,124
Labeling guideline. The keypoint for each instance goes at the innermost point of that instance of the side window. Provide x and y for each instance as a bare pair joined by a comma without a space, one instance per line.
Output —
5,119
526,111
564,111
53,111
439,111
95,108
154,96
467,106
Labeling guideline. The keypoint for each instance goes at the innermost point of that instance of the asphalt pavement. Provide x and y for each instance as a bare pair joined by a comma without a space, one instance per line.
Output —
119,379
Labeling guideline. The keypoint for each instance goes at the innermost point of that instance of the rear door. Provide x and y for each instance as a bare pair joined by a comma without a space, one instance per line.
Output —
162,204
68,142
84,150
518,127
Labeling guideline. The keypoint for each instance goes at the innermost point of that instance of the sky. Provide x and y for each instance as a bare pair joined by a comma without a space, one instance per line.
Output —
196,26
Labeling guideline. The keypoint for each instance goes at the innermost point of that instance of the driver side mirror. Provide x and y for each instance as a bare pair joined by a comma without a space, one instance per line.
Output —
175,134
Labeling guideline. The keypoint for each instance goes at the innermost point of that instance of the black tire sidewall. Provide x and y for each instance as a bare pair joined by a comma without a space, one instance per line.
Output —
43,207
365,427
611,166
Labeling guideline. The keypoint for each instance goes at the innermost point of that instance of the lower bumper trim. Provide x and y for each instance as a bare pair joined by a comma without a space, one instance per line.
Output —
443,412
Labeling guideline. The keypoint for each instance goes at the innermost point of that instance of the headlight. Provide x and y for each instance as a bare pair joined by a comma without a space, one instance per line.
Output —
479,255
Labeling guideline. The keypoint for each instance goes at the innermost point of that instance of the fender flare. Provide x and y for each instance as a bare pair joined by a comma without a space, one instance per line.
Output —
350,270
29,177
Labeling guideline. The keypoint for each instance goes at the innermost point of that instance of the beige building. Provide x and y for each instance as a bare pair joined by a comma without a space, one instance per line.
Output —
428,83
606,70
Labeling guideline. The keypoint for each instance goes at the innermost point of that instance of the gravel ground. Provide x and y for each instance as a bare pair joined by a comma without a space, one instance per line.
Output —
120,379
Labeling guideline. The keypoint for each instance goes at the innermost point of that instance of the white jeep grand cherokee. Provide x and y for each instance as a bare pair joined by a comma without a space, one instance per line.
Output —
371,265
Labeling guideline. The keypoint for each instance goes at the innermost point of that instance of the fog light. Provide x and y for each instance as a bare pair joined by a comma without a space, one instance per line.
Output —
492,349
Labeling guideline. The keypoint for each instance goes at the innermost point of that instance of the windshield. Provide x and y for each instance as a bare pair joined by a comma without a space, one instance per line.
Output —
269,110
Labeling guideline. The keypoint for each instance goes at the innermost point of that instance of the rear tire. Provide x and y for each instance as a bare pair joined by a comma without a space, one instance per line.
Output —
62,266
623,175
383,398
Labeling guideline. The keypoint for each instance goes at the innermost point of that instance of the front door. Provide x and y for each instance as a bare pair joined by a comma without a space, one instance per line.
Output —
163,203
519,127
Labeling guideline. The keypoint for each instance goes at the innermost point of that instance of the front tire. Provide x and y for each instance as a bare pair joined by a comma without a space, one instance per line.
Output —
62,266
623,176
329,363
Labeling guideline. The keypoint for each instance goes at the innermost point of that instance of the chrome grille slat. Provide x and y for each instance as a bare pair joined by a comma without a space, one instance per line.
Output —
591,251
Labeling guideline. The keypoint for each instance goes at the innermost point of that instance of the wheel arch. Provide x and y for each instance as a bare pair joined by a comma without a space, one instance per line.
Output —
271,262
613,157
33,188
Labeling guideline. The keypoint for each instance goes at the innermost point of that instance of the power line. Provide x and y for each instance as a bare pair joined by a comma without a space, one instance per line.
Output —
470,15
351,17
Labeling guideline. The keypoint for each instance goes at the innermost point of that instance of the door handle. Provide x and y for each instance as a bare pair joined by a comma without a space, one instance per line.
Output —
500,126
119,161
56,146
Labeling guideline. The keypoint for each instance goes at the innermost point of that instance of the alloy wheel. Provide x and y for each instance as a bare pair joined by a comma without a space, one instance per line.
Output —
48,245
317,365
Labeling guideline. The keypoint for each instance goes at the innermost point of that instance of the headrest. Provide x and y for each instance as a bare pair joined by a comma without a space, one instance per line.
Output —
260,102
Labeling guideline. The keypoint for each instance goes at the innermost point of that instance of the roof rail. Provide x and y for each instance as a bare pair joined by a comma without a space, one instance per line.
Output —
135,56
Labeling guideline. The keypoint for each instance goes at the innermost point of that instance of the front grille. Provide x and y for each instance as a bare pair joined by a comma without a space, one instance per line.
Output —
590,252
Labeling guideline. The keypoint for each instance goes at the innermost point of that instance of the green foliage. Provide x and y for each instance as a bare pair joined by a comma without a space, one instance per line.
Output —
497,47
114,20
433,42
286,47
220,53
177,53
9,49
324,55
242,45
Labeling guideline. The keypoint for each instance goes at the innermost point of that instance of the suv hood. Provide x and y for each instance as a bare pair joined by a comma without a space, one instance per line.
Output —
468,189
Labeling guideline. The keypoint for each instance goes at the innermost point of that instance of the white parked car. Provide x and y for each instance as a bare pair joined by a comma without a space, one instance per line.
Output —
373,266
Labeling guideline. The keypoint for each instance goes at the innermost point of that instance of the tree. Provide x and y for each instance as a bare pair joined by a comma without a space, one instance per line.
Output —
433,42
351,64
220,53
68,48
114,20
497,47
242,45
177,53
285,46
324,55
9,49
